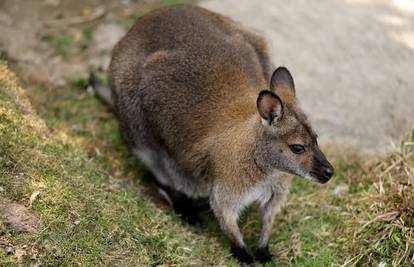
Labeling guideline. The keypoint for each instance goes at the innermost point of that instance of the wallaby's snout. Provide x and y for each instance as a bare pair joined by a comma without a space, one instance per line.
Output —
322,170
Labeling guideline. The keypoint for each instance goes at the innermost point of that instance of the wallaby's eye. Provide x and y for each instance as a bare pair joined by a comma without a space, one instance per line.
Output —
297,149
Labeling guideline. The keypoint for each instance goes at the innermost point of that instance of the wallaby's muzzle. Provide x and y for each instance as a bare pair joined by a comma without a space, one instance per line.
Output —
322,169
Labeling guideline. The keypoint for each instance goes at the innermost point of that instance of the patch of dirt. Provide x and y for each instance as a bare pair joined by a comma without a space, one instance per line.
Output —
18,217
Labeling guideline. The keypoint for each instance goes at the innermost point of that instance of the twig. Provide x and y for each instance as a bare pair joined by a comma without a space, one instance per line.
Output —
399,161
390,215
96,14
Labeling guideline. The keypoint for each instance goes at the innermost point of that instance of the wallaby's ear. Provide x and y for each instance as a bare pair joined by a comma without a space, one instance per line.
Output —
282,81
269,106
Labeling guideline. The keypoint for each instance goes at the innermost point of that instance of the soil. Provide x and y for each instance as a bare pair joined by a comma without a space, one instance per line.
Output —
18,217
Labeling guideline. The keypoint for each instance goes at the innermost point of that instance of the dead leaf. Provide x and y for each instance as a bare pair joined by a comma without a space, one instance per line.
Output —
296,245
19,254
33,197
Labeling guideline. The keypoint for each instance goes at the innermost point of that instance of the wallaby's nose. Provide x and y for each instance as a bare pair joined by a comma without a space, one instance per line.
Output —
328,172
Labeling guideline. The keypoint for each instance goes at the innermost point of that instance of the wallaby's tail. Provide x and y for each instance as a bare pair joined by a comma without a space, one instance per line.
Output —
102,91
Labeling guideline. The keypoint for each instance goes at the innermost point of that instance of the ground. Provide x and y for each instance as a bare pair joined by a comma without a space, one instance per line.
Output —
71,194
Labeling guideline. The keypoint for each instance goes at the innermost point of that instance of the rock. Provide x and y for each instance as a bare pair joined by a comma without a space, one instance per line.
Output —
340,189
90,90
58,82
9,250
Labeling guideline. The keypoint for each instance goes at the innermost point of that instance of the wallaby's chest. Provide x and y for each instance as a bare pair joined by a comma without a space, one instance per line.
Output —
277,187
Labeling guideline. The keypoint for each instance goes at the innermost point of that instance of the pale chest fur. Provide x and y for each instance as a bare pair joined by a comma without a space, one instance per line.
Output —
276,186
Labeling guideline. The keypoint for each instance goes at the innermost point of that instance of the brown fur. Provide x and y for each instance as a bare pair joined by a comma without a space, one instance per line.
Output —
185,85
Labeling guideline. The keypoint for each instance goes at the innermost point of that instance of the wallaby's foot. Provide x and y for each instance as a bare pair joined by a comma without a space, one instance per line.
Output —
242,255
263,255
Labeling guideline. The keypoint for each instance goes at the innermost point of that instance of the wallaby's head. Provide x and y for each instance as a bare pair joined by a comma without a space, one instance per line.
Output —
286,139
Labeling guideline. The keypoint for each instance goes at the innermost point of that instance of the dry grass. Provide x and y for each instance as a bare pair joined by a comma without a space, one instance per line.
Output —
386,227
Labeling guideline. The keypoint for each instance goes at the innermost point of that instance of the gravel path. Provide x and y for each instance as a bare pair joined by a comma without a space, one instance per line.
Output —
353,63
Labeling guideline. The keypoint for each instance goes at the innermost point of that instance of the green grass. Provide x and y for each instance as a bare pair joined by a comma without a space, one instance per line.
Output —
173,2
97,209
61,44
128,22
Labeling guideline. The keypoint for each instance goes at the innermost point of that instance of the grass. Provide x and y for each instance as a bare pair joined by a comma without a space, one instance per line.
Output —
388,225
61,44
173,2
66,46
128,22
95,207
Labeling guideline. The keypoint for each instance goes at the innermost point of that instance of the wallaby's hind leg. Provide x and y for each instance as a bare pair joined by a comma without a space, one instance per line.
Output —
182,205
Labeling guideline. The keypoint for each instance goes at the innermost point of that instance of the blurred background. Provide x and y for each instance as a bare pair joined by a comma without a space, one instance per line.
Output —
352,59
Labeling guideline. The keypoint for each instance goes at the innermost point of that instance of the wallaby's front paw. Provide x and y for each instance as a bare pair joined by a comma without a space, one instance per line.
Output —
242,255
263,255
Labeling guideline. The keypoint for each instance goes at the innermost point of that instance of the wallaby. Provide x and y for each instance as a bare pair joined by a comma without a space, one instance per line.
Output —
199,105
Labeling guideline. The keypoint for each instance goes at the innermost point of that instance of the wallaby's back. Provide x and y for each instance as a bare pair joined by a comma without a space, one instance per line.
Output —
184,70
